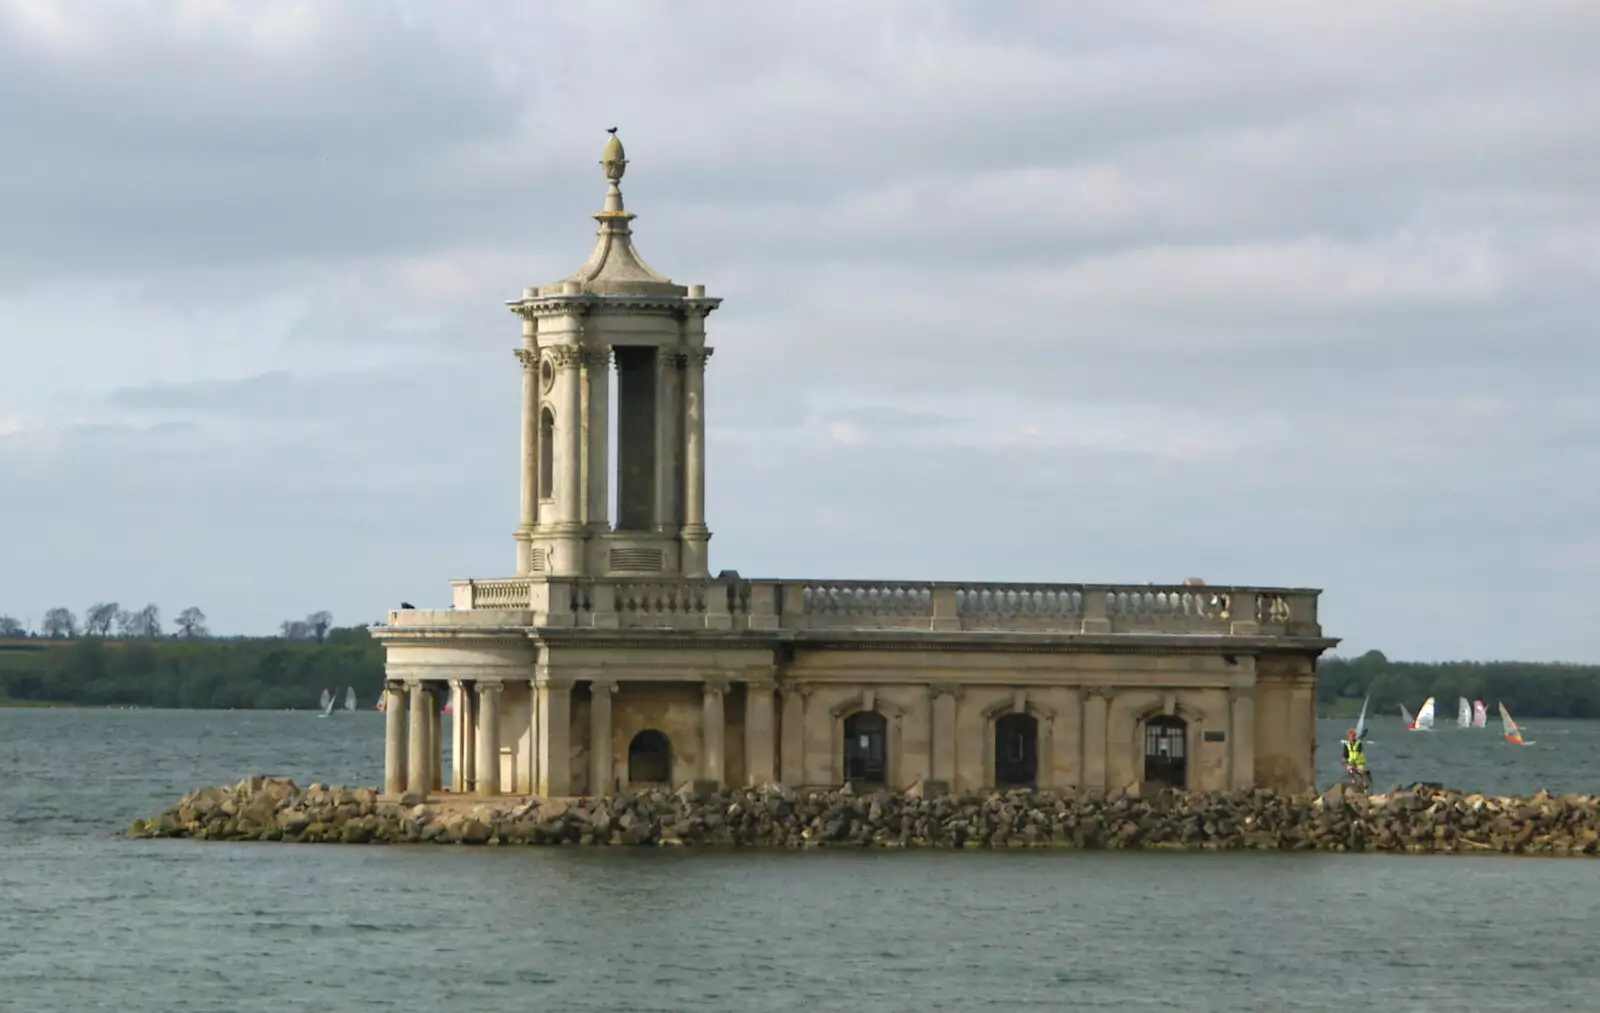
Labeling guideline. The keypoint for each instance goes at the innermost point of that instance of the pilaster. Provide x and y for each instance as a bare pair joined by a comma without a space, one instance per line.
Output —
1242,732
1096,713
792,749
713,726
695,535
945,702
758,729
554,705
601,758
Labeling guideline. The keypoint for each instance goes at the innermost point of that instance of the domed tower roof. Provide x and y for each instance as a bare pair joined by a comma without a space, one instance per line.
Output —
614,267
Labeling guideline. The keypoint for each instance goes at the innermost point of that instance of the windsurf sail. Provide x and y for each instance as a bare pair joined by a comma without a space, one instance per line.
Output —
1425,716
327,703
350,698
1463,713
1509,727
1480,714
1405,716
1361,722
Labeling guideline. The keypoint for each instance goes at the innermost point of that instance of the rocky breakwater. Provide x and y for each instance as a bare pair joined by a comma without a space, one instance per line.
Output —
1418,819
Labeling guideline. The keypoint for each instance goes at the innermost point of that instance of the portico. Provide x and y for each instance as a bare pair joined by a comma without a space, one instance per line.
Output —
613,658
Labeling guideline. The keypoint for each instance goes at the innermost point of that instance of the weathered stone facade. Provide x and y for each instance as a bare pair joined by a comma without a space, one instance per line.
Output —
613,659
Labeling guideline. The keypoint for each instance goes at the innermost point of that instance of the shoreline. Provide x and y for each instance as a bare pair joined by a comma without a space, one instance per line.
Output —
1422,819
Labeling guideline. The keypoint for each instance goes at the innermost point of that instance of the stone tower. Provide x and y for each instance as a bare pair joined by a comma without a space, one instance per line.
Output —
583,514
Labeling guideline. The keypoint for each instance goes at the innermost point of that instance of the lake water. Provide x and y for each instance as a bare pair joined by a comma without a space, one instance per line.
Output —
91,921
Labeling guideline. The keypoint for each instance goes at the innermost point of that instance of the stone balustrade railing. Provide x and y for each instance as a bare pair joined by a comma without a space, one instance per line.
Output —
732,602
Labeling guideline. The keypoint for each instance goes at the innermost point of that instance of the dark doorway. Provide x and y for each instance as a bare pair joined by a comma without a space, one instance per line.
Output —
1165,754
1016,751
866,739
649,758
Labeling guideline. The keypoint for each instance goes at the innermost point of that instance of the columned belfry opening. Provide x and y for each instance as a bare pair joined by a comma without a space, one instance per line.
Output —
632,502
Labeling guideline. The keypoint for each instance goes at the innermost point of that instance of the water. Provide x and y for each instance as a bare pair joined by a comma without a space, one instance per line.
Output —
91,921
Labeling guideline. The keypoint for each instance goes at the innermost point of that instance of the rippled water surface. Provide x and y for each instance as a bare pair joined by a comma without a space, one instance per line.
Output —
90,921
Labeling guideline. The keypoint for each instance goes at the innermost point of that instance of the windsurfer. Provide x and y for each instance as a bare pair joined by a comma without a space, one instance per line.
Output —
1355,756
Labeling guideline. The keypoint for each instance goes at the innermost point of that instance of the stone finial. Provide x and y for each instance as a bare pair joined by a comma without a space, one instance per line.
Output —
613,162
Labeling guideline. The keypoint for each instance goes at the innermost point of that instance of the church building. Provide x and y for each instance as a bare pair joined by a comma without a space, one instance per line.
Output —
612,658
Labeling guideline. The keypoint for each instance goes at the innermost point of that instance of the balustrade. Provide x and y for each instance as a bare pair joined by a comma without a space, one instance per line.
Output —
733,602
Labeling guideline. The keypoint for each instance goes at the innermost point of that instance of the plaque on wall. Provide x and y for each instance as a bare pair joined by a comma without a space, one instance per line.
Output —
1216,736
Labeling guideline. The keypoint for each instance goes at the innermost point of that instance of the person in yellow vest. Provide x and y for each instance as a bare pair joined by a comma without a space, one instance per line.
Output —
1355,755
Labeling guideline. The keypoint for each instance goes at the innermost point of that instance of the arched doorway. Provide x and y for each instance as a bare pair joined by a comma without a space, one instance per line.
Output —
866,741
1016,751
650,758
1166,761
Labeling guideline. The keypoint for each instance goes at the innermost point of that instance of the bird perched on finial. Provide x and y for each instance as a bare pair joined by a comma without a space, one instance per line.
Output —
611,130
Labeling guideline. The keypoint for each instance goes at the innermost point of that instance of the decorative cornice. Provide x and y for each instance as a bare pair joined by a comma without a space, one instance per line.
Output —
698,356
595,358
591,304
529,357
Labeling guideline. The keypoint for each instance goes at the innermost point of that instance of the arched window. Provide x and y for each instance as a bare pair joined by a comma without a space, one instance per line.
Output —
1016,751
1166,760
650,758
547,454
866,747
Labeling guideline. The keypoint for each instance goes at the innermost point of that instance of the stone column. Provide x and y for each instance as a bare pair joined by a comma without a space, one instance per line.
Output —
695,535
468,723
1242,730
669,450
554,701
712,728
1096,712
597,425
528,514
792,759
758,728
600,746
567,522
418,768
394,739
943,746
488,737
435,740
458,737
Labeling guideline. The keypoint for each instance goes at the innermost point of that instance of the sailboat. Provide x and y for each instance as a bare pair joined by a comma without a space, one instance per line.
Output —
1463,713
1425,717
327,703
1509,728
1361,722
1480,714
350,698
1405,715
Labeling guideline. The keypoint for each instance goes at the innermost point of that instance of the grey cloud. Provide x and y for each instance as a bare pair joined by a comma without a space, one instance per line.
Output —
1125,292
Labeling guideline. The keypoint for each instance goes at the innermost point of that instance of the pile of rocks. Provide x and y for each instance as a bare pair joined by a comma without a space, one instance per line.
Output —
1422,818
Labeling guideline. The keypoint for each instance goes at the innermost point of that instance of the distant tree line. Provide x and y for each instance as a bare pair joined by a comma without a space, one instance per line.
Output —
1528,689
193,672
109,619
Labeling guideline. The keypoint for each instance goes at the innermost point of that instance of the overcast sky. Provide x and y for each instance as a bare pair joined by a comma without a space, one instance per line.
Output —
1260,292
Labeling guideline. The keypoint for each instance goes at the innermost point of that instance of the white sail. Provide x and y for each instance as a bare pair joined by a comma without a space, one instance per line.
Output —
1361,722
349,698
1425,716
1405,716
1480,714
1463,713
327,703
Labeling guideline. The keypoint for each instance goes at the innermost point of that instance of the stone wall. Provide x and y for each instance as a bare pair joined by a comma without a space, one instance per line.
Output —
1419,819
